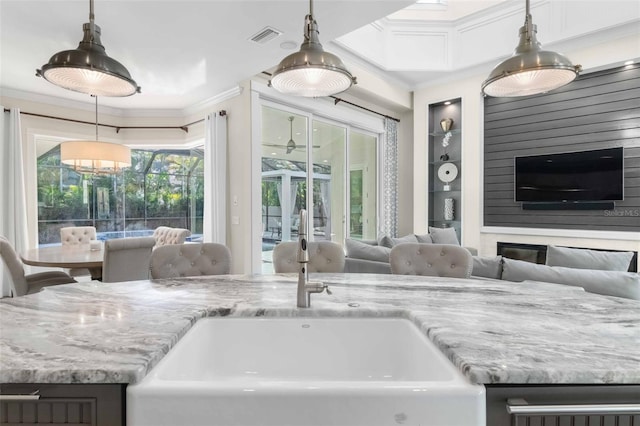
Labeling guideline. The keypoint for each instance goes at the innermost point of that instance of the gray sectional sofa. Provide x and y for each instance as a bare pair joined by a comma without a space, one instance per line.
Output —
372,256
601,272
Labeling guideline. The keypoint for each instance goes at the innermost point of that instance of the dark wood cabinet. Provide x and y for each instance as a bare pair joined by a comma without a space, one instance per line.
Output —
62,404
563,405
507,405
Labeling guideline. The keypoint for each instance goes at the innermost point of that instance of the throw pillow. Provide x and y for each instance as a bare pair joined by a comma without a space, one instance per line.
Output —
443,235
424,239
385,241
588,259
359,250
390,242
609,283
487,267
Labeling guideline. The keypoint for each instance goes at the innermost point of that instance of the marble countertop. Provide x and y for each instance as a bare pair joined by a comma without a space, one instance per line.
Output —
493,331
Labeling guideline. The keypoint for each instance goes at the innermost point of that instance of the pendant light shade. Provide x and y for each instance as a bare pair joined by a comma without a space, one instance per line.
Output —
95,156
311,72
88,69
530,70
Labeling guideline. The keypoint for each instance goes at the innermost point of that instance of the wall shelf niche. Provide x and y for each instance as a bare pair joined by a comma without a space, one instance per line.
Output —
445,137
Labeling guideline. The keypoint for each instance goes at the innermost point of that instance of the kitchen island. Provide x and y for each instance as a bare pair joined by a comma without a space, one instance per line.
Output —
495,332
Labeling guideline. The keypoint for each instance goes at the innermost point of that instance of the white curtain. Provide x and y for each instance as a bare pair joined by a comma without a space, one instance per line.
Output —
280,201
215,178
294,195
13,222
389,222
279,190
325,191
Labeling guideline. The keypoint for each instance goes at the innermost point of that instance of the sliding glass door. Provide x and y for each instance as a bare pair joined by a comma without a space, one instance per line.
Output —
329,142
340,193
363,188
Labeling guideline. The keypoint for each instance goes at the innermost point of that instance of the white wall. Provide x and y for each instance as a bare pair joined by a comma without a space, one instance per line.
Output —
239,179
607,53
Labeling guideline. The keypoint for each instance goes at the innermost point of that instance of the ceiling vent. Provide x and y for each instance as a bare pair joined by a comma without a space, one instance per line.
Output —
264,35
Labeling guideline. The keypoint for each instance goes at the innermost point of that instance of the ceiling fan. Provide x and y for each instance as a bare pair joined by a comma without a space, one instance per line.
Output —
291,145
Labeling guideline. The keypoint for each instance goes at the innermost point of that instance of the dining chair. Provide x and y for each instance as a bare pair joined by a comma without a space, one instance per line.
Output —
165,235
127,259
324,256
440,260
27,284
75,236
188,260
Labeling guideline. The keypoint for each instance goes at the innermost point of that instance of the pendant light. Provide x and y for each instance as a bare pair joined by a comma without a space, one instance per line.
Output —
530,70
291,145
311,72
88,69
95,156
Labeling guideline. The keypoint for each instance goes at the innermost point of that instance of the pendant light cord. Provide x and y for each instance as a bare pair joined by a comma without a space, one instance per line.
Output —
310,27
92,23
291,128
528,22
96,117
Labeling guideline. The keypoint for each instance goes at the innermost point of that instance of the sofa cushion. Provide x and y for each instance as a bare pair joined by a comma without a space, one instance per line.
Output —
390,242
359,250
609,283
588,259
424,239
487,267
444,236
384,241
362,266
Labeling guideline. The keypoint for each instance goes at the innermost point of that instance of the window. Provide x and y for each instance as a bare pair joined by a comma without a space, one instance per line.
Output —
343,202
363,200
162,187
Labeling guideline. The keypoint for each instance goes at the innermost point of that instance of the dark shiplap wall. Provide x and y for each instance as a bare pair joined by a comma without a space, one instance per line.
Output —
597,110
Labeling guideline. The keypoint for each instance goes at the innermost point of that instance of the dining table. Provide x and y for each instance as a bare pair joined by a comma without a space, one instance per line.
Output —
67,256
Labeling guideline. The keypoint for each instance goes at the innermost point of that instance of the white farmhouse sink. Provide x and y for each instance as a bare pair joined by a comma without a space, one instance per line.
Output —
303,371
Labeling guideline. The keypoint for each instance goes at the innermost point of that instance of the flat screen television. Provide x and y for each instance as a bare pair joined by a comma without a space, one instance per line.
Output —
596,175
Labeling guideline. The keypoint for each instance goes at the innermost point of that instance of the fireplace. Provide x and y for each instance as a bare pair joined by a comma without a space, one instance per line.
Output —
536,253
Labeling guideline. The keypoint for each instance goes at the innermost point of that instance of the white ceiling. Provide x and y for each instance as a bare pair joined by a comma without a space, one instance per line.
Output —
180,52
416,46
185,52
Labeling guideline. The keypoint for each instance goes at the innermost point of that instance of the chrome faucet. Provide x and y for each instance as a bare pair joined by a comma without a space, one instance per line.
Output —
305,288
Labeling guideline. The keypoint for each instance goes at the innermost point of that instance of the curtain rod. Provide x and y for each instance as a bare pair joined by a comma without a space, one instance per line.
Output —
185,128
337,100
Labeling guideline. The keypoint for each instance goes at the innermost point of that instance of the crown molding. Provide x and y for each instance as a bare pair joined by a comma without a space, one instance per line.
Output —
213,101
570,45
120,112
377,25
59,102
371,66
467,26
490,16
